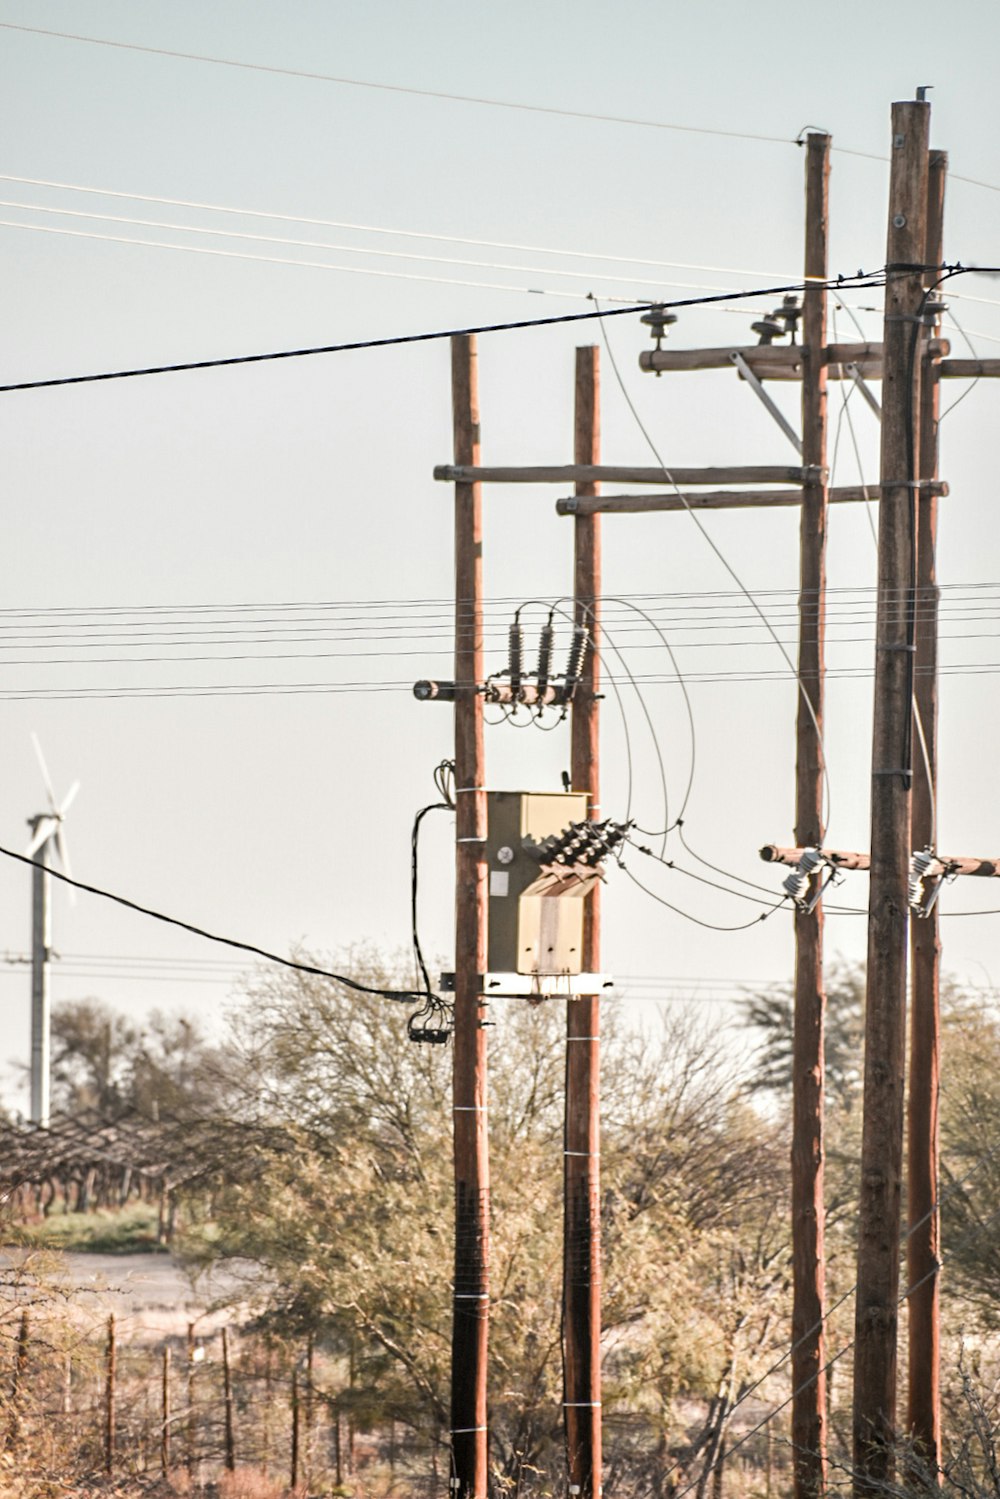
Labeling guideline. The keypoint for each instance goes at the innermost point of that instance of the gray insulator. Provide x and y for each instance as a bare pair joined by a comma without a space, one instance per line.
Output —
544,657
515,659
796,883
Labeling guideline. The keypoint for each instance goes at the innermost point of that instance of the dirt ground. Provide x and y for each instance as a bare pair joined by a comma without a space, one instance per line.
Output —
151,1295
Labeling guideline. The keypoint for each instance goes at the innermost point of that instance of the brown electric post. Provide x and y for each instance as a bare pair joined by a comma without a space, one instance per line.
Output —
924,1241
472,1184
876,1320
808,1216
109,1398
227,1392
189,1417
165,1432
293,1473
582,1169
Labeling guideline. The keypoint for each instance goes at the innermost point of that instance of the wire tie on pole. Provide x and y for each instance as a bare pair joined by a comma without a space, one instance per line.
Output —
587,1153
583,1038
470,788
471,1295
906,648
585,1405
469,1108
460,1431
470,840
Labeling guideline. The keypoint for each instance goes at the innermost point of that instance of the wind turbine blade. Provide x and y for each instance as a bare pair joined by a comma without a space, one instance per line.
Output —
69,798
63,853
43,832
45,772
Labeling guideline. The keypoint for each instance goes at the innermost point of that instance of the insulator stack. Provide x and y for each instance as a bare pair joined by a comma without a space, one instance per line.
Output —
923,865
545,658
515,659
797,882
574,665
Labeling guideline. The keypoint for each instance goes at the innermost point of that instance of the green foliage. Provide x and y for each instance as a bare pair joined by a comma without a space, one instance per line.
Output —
129,1230
771,1012
105,1063
346,1220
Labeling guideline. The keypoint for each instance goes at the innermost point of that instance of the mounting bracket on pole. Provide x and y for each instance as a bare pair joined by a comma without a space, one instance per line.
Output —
865,389
765,399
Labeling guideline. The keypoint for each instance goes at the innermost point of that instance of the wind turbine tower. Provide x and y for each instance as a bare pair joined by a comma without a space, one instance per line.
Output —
46,839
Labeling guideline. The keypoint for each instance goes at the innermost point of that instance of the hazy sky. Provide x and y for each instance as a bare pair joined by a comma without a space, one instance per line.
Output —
285,513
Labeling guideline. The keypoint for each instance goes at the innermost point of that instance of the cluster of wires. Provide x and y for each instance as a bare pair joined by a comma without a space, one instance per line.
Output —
433,1021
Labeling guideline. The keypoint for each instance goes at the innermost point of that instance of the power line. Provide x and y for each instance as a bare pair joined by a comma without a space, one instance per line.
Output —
387,685
730,569
864,279
404,996
396,88
314,244
294,218
423,93
312,265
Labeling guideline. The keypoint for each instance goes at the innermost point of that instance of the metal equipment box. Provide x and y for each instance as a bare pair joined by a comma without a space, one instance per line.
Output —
536,935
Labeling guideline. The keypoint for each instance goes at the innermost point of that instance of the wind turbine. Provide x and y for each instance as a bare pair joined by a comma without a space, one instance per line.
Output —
46,839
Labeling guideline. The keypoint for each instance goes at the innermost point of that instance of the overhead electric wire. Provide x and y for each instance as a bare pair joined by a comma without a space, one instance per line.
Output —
711,925
453,98
725,562
395,88
399,339
403,996
311,265
320,223
689,874
313,244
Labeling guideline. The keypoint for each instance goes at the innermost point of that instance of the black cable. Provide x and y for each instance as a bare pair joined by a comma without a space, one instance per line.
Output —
403,996
863,279
711,925
690,874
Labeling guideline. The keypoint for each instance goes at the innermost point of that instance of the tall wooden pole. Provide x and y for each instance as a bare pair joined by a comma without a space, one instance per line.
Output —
582,1171
227,1392
165,1431
109,1397
293,1468
876,1320
924,1241
189,1416
808,1216
472,1185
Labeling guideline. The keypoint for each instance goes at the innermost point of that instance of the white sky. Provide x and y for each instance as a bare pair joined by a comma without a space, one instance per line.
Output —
285,818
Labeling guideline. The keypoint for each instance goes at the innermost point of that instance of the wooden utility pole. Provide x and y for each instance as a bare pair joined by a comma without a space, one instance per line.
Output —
165,1430
227,1391
924,1241
471,1153
808,1214
16,1402
581,1170
293,1472
109,1398
876,1320
189,1421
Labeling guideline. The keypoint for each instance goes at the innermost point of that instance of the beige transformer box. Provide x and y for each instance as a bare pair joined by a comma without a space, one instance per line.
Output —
533,934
